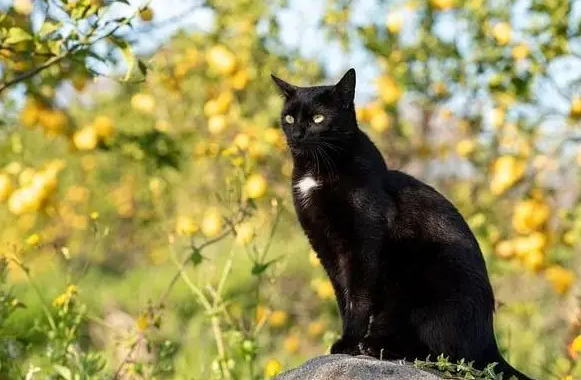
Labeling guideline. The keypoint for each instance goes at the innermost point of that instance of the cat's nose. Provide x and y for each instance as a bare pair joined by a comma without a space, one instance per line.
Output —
298,133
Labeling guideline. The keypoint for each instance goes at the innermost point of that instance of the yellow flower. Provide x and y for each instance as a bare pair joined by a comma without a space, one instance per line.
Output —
362,114
325,290
523,245
534,261
25,200
504,249
506,171
217,123
255,186
143,102
443,4
314,259
85,138
272,136
316,328
103,126
94,215
502,33
388,89
185,225
262,312
562,279
6,187
66,297
465,147
72,290
142,322
24,7
146,14
272,368
221,60
576,107
291,344
529,215
497,117
380,121
244,234
520,52
241,141
60,300
394,22
33,239
211,223
240,79
278,318
570,238
575,347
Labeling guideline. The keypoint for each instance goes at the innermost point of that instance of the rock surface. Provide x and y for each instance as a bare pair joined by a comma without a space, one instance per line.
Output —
345,367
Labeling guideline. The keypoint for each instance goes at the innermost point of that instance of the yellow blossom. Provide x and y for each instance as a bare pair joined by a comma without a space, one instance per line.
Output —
325,290
575,347
529,215
244,234
255,186
278,318
272,368
142,322
33,239
262,312
185,225
291,344
562,279
316,328
314,259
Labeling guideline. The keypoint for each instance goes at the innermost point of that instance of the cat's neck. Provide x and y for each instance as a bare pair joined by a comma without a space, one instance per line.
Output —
329,165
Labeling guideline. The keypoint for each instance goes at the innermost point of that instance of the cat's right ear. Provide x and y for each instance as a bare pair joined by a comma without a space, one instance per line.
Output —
286,89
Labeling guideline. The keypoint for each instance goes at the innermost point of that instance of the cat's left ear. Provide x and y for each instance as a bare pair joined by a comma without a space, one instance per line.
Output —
286,89
345,88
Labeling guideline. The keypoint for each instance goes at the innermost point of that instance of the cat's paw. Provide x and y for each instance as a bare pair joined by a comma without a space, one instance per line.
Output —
376,348
346,345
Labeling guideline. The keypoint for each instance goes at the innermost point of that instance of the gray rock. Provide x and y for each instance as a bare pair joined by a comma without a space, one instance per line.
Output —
345,367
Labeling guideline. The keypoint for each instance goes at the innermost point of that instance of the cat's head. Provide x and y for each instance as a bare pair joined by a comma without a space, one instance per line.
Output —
318,116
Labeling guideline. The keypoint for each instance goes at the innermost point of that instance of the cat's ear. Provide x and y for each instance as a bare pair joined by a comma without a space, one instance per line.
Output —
286,89
345,88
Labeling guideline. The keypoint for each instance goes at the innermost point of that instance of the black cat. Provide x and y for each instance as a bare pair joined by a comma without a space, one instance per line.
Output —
408,273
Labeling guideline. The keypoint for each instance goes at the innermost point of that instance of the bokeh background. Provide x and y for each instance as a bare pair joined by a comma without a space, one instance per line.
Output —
146,225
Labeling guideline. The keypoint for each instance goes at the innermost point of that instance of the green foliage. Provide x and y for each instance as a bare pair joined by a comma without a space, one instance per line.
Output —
145,211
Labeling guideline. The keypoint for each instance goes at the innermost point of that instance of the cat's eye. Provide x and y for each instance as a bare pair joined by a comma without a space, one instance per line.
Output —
318,118
289,119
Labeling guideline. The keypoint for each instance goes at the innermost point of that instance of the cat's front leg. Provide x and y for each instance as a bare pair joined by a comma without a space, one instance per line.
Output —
362,292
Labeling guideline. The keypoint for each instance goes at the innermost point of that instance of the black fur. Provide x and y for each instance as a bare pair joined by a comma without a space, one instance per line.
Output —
408,273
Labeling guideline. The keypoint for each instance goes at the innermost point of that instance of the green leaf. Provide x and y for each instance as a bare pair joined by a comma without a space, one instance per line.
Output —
196,257
63,371
16,35
55,46
142,67
48,28
259,268
127,55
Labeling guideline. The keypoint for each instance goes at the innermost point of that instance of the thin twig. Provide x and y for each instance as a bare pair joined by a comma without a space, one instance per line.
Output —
208,242
32,72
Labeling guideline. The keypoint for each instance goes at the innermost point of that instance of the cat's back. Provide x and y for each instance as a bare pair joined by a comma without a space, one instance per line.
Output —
424,210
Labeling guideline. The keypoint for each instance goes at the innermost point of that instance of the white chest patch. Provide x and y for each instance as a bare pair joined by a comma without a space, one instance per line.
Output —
306,185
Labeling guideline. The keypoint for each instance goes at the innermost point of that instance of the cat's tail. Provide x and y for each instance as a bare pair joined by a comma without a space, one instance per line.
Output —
492,355
508,371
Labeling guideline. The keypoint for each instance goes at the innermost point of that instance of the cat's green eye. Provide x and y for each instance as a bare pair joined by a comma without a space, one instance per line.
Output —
289,119
318,118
